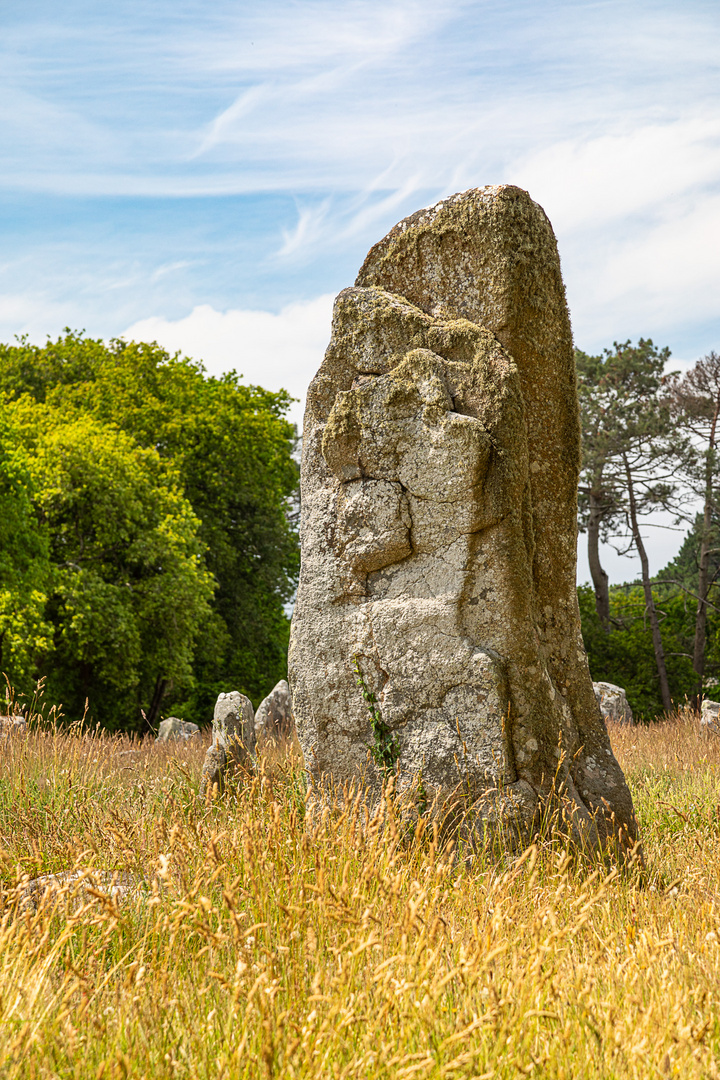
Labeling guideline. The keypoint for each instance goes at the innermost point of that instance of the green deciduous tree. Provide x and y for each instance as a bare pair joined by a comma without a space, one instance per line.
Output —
128,589
25,633
231,451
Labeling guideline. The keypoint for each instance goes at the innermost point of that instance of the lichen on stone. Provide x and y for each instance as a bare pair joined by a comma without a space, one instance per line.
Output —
439,478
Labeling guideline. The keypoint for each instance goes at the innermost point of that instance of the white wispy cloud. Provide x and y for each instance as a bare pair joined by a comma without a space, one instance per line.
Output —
280,37
169,268
623,173
320,96
308,229
661,279
632,211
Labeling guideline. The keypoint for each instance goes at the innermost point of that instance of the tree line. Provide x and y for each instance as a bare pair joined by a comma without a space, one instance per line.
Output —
649,442
149,538
149,541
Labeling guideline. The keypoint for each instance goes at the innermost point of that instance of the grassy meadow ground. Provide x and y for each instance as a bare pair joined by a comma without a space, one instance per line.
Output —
256,948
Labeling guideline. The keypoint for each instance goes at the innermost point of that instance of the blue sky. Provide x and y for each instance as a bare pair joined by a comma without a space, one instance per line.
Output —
210,175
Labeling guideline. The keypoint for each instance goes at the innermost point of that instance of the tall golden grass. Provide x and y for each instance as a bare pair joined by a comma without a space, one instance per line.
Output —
252,946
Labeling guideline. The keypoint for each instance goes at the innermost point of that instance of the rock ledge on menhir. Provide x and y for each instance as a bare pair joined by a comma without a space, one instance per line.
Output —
440,464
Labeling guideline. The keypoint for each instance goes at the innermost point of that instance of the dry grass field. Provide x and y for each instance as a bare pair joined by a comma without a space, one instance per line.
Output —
237,943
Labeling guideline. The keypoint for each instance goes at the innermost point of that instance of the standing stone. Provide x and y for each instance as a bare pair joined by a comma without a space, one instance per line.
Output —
233,744
709,711
73,890
613,703
173,728
13,725
274,718
440,464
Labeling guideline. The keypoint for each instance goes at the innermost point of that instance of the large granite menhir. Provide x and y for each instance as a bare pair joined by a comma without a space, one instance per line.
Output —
440,464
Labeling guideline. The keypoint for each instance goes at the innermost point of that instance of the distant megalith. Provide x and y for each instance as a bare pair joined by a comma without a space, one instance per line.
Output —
173,728
440,465
233,741
709,714
274,718
613,702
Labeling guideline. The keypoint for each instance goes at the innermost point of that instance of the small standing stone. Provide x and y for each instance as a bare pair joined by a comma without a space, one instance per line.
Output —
173,728
613,703
214,769
709,711
72,889
13,725
233,744
274,718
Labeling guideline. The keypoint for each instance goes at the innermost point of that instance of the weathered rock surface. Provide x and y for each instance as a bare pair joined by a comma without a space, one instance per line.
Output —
74,889
173,728
440,464
233,744
613,703
709,713
274,718
13,725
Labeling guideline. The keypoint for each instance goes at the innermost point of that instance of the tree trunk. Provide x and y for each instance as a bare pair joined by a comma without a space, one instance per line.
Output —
153,711
701,616
599,577
647,589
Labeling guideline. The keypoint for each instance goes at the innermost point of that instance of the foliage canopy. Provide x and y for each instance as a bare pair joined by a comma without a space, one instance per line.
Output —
164,499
